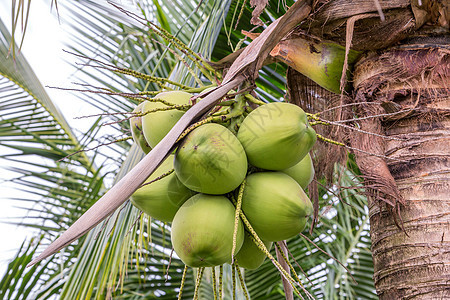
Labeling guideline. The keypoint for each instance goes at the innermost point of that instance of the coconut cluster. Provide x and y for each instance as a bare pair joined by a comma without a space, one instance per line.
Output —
270,151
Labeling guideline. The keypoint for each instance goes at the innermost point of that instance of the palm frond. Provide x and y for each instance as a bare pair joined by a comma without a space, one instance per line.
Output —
34,136
28,114
14,284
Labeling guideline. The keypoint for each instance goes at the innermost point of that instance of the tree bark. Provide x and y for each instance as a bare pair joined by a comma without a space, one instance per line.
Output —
410,86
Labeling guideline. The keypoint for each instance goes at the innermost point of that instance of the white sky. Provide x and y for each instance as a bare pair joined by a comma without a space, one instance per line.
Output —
43,48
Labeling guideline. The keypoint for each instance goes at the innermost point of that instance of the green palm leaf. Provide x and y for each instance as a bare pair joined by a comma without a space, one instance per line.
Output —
28,112
34,136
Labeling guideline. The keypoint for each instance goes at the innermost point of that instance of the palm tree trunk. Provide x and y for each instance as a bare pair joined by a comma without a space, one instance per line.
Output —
410,188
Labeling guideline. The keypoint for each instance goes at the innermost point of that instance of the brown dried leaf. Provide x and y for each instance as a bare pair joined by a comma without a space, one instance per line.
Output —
435,12
259,6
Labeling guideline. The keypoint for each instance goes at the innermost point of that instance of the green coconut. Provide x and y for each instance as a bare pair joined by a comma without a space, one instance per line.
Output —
275,205
202,231
272,136
308,141
211,160
156,125
136,130
250,256
162,198
321,61
303,172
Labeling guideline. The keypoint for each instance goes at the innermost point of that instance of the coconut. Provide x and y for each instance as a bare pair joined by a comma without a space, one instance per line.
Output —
202,231
303,172
136,130
275,205
272,136
250,256
211,160
319,60
156,125
161,199
308,141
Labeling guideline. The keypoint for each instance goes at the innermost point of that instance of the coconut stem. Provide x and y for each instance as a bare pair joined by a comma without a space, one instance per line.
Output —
163,229
254,100
165,102
190,70
195,125
221,113
198,281
158,80
183,107
319,123
215,119
159,177
173,40
262,247
236,110
141,236
182,47
149,93
200,89
220,281
327,140
241,280
213,271
236,217
123,139
183,279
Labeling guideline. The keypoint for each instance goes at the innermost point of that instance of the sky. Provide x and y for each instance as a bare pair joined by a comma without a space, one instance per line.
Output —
43,48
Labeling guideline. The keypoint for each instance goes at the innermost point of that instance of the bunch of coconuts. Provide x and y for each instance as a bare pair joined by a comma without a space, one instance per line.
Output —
196,187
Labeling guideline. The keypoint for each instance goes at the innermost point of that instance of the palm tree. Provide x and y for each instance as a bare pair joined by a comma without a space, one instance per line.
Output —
105,254
399,97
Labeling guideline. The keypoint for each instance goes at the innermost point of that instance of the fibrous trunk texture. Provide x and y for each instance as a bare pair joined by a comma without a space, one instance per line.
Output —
408,87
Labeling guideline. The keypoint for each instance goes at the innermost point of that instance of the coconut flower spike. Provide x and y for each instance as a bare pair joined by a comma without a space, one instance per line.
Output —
286,260
220,281
241,281
183,280
214,282
236,219
263,248
198,281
